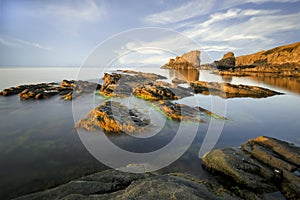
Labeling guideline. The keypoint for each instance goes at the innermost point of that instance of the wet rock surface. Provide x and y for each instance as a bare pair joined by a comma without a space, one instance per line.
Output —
67,89
112,184
113,117
190,60
122,84
161,91
262,165
227,90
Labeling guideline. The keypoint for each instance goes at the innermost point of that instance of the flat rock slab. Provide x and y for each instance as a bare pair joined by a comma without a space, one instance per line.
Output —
261,165
227,90
112,184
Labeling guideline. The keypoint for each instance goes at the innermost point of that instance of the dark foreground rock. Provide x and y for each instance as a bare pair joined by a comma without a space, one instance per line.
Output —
112,184
113,117
67,89
227,90
262,165
190,60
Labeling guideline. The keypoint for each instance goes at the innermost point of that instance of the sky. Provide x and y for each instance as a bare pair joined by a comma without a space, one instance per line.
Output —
64,33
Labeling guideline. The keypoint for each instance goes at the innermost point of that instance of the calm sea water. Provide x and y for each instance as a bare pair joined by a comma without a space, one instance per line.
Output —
39,147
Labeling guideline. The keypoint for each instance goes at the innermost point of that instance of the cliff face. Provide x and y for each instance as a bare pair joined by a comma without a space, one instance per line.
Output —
287,54
190,60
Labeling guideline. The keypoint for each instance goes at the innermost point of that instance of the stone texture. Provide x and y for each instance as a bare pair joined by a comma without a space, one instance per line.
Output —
113,117
112,184
261,165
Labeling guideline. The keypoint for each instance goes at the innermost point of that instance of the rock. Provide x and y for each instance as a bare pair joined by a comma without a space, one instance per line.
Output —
160,90
281,157
112,184
113,117
276,56
179,112
227,62
262,165
282,61
227,90
236,165
47,90
122,85
190,60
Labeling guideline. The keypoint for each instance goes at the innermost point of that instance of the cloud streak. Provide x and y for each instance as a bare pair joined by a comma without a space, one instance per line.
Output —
15,42
79,11
198,8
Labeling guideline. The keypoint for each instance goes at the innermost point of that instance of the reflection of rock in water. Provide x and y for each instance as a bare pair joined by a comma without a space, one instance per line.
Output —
227,79
185,74
288,83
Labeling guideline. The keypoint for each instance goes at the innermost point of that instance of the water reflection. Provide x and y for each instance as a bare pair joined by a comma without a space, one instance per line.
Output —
288,83
187,74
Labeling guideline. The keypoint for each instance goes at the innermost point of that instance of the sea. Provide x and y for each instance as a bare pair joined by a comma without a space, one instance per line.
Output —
40,147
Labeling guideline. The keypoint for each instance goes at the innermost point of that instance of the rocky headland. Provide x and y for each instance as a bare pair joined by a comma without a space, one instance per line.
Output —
262,168
280,61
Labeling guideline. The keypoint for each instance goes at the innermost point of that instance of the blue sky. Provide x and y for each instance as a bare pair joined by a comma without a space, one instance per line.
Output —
62,33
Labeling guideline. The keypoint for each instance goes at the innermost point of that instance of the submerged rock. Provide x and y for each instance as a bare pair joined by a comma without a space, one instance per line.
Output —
227,90
113,117
190,60
113,184
262,165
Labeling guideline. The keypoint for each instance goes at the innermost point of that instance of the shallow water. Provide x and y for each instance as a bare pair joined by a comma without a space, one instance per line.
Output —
39,147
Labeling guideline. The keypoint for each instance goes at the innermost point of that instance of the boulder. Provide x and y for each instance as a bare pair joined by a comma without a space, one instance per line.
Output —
261,165
113,117
122,84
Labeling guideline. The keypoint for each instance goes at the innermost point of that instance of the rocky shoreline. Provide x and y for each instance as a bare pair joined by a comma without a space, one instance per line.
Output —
262,168
280,61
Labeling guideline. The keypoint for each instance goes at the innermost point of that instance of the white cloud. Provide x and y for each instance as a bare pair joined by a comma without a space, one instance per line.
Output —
219,48
22,43
200,8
